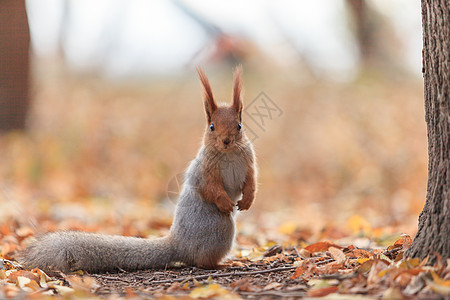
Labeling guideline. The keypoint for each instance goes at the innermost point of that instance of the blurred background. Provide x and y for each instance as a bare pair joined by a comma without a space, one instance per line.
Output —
101,110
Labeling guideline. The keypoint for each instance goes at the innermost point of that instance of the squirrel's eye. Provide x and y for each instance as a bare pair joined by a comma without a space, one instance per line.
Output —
239,126
212,127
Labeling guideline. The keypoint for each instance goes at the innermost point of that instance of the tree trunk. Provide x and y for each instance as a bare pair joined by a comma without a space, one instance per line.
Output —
433,235
14,64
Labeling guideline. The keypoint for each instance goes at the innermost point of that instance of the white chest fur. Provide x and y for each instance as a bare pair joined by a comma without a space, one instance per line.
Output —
233,170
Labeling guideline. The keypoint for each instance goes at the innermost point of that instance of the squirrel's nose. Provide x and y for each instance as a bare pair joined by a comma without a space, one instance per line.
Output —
226,141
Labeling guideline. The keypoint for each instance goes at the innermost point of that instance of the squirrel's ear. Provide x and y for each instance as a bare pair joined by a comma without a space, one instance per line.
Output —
237,91
210,103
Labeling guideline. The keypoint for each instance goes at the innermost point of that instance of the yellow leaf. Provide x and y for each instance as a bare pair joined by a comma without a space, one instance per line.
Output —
256,254
362,260
413,262
63,290
439,280
287,228
209,291
439,285
356,224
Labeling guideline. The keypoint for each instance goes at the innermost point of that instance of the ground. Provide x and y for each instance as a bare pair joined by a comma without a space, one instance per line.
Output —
342,180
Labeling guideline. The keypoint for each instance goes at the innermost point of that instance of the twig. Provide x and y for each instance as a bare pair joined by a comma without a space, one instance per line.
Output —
113,278
273,293
324,262
298,253
216,275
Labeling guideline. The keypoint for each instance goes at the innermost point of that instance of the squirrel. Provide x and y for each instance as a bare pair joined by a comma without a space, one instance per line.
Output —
221,177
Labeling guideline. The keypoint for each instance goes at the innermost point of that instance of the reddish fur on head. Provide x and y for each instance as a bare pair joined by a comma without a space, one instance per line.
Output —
224,122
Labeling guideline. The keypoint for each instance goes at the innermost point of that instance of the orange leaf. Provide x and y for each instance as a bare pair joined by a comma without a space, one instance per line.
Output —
406,241
22,273
298,272
320,246
398,242
321,292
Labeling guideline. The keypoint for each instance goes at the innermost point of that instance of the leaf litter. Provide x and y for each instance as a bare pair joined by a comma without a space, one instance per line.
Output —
325,269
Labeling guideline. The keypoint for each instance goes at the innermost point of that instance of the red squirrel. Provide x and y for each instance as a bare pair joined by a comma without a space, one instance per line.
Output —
221,177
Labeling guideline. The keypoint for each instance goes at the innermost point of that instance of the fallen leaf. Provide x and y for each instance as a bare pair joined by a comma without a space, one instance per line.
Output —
273,286
209,291
22,273
304,253
362,260
63,290
392,293
377,266
86,284
320,247
320,292
256,254
298,272
287,228
407,241
244,285
358,224
338,255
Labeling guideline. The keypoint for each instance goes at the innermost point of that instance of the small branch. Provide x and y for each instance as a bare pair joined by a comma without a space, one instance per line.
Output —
217,275
324,262
273,293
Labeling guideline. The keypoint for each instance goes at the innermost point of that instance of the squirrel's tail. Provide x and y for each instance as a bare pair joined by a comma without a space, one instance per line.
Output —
71,250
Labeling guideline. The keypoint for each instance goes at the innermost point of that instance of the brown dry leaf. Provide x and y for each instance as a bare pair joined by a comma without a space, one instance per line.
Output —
283,258
273,286
338,255
24,282
403,279
407,241
378,266
130,293
62,290
398,243
22,273
245,286
359,253
304,253
43,278
211,291
320,246
298,272
176,286
256,254
85,284
237,264
392,293
11,291
321,292
25,231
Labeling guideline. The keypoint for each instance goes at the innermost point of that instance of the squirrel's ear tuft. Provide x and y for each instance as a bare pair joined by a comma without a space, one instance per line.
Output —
210,103
237,90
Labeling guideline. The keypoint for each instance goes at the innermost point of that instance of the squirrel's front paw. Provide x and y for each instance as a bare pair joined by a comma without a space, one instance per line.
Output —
245,203
224,204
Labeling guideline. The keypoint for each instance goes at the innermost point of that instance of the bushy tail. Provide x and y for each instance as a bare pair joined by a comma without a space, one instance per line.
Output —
71,250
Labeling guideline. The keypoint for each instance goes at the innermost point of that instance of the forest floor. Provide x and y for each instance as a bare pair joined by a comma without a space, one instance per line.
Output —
326,269
342,180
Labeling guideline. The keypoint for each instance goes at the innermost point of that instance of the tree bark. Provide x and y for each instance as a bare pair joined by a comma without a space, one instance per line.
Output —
14,64
433,234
